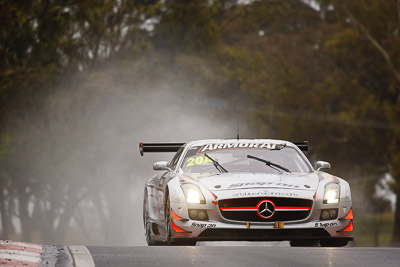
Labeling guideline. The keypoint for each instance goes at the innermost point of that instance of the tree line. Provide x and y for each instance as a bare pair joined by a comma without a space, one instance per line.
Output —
329,75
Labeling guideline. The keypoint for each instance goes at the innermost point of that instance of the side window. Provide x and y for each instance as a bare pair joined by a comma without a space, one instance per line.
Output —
175,160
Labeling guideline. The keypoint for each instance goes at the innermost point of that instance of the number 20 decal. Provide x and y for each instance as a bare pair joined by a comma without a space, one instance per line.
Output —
197,161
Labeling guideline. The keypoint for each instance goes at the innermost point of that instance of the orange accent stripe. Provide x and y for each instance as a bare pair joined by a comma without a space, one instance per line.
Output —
184,179
350,215
350,227
315,195
187,179
174,216
176,228
333,179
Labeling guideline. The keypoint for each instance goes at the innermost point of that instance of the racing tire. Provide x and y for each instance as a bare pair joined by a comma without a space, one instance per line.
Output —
150,242
334,243
147,225
169,229
304,243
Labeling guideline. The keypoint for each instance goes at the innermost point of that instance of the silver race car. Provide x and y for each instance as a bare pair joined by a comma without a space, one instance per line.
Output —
244,190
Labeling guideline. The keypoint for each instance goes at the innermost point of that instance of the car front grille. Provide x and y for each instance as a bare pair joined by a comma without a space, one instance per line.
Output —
246,209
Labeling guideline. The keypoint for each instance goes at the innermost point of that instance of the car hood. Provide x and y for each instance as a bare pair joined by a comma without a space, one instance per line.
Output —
231,181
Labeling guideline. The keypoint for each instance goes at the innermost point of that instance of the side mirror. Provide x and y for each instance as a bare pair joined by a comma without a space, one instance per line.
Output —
323,165
161,166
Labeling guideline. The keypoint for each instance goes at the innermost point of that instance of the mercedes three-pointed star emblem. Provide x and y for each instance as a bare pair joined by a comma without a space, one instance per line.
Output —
266,209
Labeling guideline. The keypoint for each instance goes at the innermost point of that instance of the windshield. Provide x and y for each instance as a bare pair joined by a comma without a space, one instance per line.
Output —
243,157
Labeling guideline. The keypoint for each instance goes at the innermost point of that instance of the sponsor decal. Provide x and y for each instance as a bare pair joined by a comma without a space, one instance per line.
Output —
265,193
197,161
325,224
204,225
238,185
214,147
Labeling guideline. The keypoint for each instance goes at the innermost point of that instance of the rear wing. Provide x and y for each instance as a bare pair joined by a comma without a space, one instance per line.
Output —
174,147
159,147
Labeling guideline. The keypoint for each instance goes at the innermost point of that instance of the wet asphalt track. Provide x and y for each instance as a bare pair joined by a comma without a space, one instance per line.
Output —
229,256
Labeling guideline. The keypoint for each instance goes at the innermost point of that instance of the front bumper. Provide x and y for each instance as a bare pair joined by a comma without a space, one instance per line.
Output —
267,235
218,228
217,231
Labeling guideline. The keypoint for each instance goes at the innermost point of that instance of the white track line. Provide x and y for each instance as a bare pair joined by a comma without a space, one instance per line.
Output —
81,256
21,244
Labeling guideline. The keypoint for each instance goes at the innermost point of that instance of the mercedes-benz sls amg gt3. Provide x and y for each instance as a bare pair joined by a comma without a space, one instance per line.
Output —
244,190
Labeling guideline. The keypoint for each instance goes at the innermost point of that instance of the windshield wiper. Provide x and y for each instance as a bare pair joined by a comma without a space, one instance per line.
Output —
269,163
216,164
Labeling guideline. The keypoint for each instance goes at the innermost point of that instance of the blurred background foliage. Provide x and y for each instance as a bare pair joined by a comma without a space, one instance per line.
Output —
80,80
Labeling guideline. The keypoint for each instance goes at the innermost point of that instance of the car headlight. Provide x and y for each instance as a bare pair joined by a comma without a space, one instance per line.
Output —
193,194
331,194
